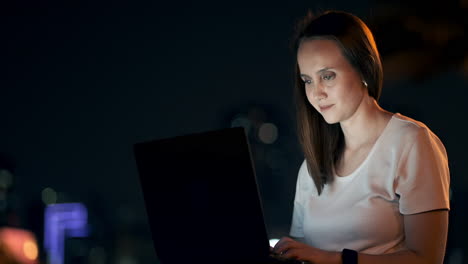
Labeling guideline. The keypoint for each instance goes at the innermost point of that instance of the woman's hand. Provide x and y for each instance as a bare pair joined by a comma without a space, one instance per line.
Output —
289,248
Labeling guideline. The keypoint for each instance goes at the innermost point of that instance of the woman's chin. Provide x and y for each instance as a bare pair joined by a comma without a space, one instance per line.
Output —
330,120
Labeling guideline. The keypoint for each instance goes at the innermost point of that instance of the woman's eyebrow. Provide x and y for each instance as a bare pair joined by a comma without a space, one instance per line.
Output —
319,71
324,69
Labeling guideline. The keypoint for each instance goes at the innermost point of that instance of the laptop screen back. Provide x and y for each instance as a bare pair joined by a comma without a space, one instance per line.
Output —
202,198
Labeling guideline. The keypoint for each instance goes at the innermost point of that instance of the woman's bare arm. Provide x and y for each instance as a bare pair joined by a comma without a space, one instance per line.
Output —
425,238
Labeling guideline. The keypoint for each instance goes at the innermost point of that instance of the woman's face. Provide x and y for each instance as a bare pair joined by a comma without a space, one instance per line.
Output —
333,87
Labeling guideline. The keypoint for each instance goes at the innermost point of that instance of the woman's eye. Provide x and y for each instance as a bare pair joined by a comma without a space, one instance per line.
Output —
328,77
307,81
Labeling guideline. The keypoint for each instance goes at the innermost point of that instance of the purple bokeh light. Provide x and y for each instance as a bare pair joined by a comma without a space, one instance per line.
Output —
61,221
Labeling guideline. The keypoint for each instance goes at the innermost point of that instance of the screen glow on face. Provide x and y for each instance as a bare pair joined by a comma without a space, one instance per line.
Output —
62,221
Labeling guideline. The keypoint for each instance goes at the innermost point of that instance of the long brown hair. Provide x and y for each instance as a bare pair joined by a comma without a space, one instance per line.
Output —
323,143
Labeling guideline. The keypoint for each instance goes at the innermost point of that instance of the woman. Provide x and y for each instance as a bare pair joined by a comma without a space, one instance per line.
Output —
374,185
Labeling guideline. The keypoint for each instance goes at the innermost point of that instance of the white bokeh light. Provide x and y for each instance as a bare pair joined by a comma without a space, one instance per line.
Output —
268,133
49,196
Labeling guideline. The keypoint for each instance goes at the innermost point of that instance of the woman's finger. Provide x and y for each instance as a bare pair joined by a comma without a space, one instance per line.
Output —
284,245
292,253
280,245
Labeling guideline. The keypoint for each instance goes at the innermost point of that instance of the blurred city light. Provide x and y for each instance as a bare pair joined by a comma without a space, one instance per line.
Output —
97,255
61,221
268,133
21,244
6,179
49,196
242,121
30,249
255,122
126,260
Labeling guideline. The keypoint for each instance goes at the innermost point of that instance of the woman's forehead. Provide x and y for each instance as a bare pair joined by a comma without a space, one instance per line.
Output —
320,53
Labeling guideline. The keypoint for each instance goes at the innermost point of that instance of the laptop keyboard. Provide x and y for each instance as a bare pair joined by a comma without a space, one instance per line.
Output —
276,259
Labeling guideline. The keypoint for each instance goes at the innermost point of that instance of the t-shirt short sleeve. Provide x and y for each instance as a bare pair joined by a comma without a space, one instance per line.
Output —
423,178
304,186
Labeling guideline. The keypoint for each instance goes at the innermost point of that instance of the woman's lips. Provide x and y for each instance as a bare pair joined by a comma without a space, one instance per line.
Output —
325,107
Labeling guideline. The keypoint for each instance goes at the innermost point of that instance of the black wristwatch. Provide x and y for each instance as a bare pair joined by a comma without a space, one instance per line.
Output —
349,256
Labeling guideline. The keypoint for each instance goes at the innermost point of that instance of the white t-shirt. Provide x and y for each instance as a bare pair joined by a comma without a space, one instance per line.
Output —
406,172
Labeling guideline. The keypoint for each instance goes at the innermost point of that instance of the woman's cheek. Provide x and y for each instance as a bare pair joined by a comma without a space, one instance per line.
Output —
311,102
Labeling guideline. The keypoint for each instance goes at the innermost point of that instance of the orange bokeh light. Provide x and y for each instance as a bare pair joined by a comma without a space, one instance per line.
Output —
30,249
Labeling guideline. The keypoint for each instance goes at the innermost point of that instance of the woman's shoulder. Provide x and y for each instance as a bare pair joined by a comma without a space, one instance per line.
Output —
413,131
411,128
408,123
305,183
303,176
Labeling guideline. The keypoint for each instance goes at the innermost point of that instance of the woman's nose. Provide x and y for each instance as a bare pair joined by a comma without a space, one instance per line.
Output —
319,92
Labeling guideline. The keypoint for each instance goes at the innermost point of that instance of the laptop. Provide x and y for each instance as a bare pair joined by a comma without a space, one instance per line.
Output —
202,199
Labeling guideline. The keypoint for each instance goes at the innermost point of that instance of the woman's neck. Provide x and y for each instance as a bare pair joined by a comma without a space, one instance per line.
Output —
364,127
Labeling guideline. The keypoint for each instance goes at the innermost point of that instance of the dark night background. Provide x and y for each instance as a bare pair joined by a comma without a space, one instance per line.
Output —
81,82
